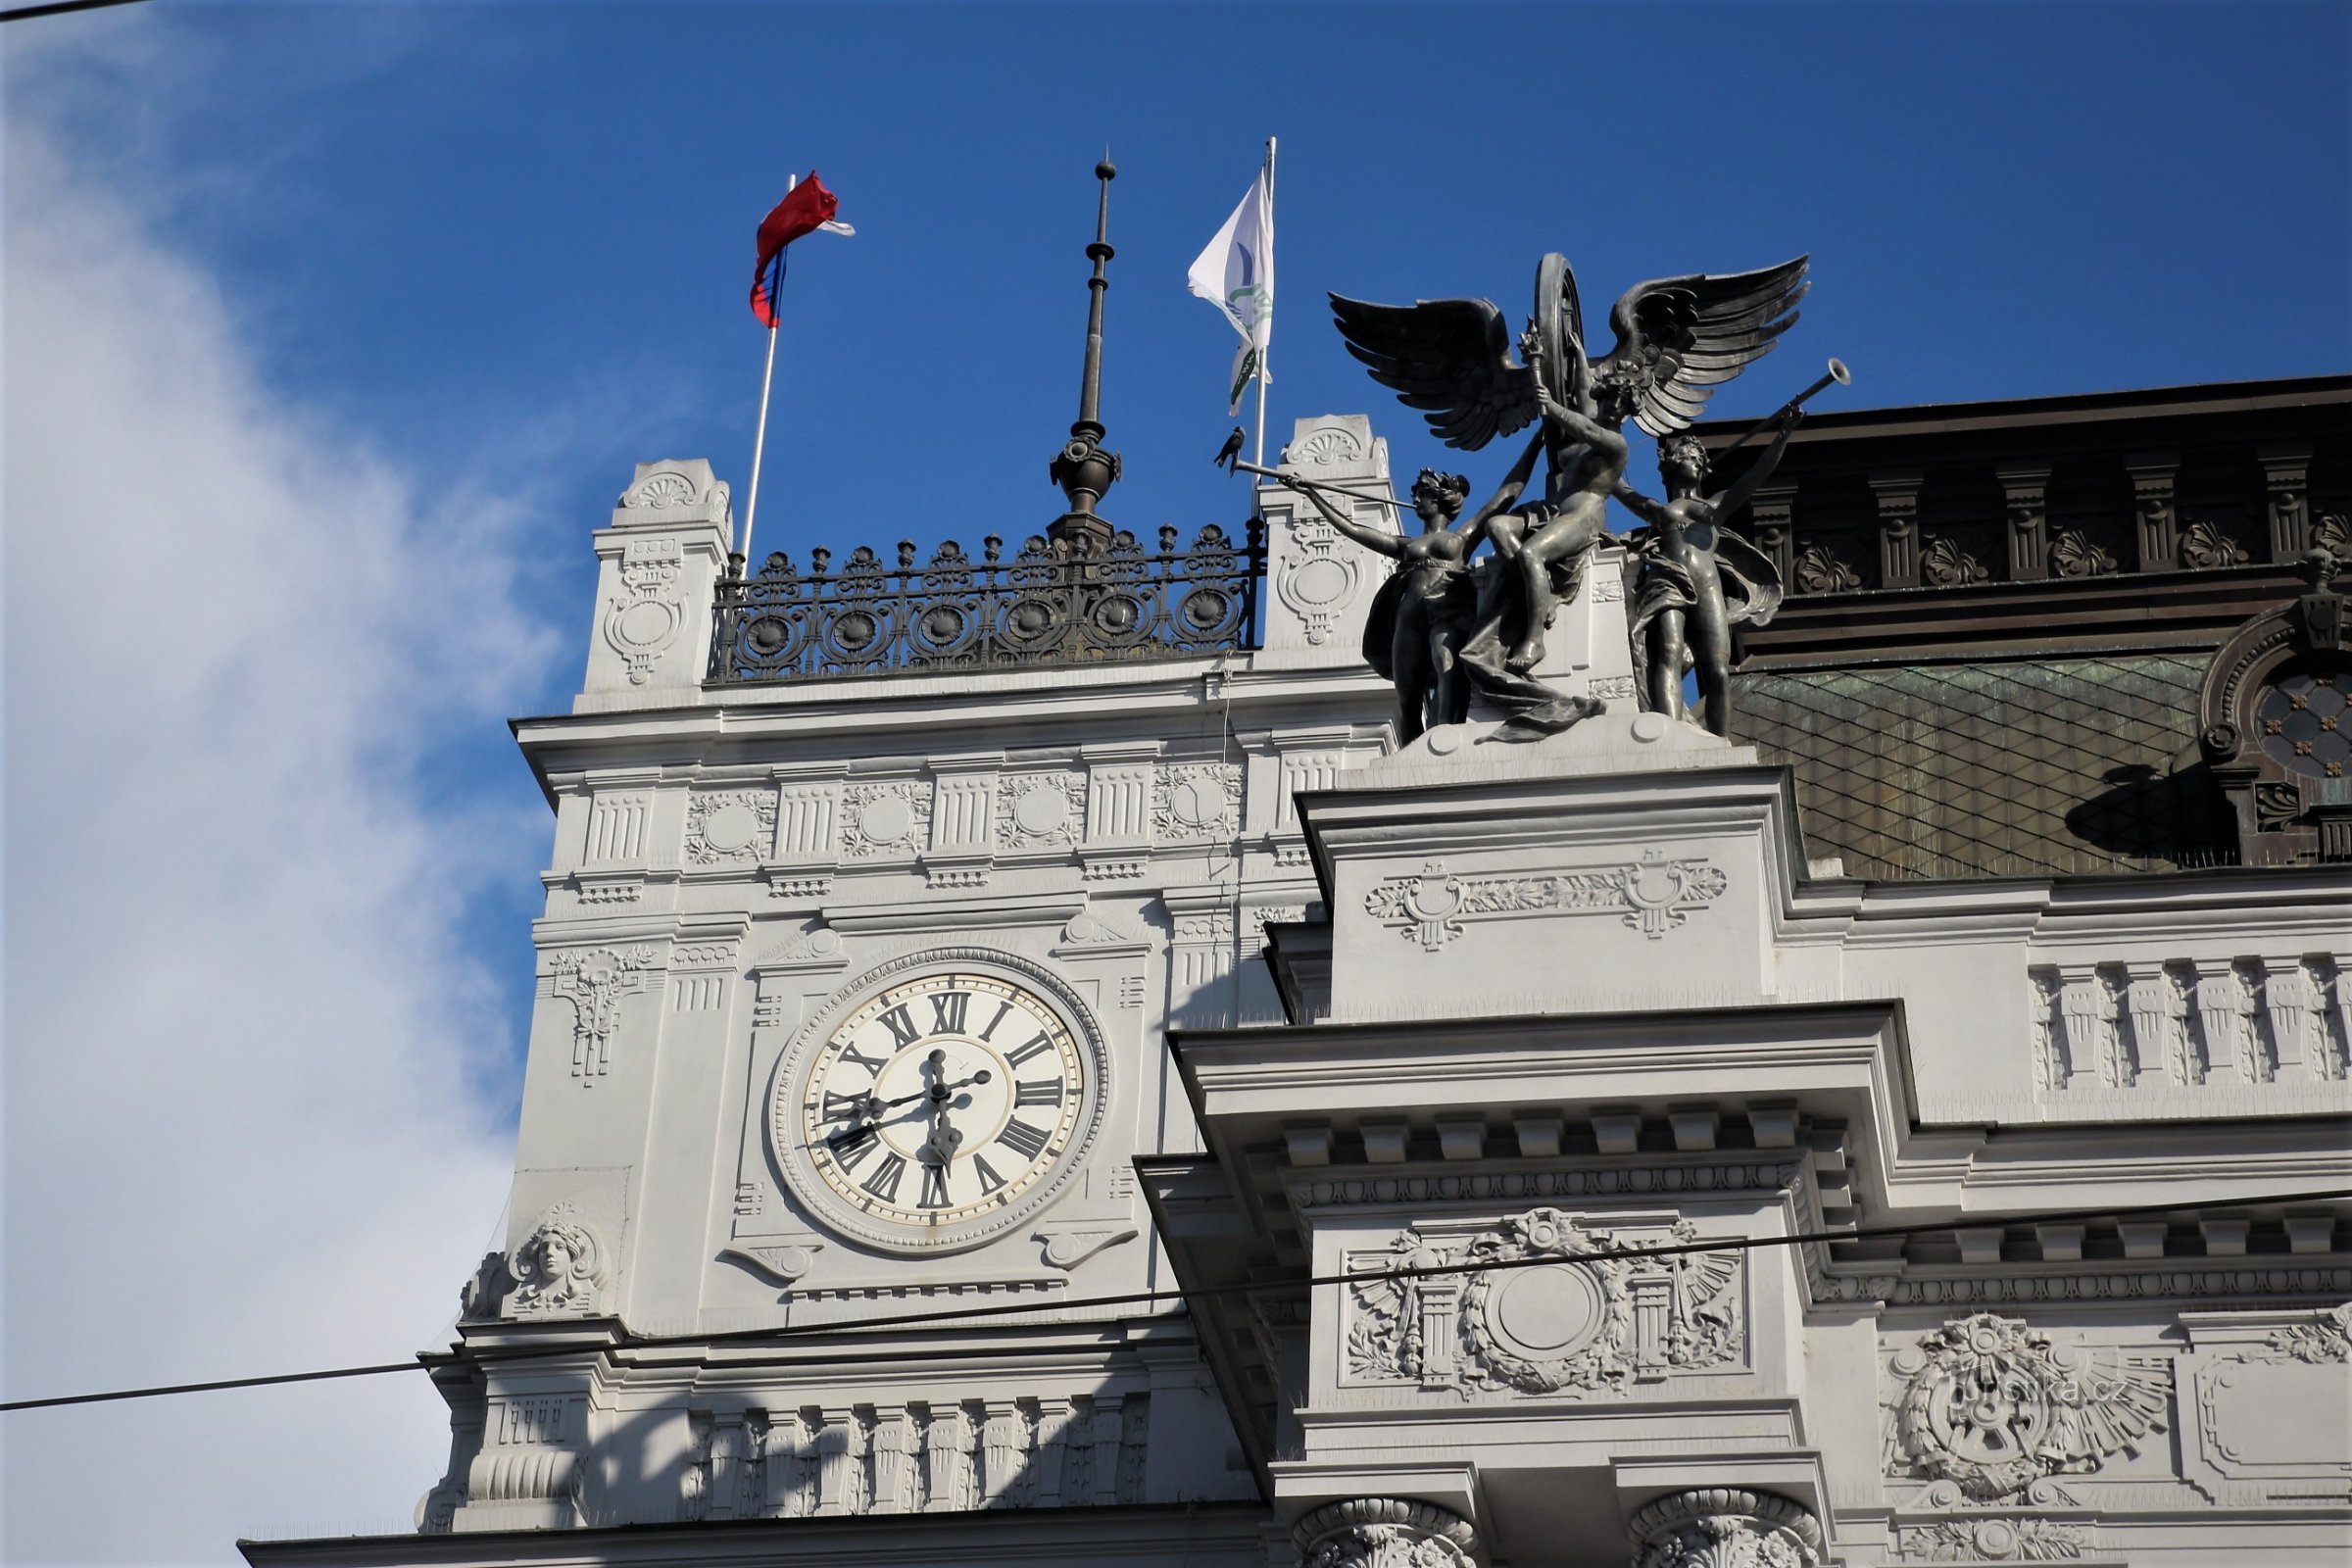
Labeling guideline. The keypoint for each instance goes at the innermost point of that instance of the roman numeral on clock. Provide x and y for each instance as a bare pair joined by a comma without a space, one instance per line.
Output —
884,1182
990,1181
872,1064
947,1008
1021,1135
839,1107
904,1031
1021,1054
1045,1092
935,1187
852,1145
1002,1008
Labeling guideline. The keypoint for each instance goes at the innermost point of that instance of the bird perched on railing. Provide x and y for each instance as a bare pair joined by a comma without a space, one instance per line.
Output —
1231,450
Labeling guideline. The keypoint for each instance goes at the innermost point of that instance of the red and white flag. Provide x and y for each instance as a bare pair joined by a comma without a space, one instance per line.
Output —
806,207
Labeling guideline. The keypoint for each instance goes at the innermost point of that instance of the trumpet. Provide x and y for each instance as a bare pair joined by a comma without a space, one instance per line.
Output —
1838,374
1318,484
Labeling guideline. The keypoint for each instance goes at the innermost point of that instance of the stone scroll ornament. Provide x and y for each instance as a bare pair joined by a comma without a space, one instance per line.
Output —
1996,1408
1677,338
1653,894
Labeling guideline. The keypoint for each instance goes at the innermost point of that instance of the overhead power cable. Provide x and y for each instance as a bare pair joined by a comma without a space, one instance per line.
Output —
57,8
488,1354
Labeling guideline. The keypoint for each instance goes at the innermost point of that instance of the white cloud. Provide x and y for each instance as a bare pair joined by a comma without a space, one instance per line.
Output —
242,1036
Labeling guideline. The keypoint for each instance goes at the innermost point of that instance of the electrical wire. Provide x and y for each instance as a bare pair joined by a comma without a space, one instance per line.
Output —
489,1354
57,8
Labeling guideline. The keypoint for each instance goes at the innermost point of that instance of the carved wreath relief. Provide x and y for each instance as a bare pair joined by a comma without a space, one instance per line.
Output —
729,826
1582,1325
1997,1408
1654,894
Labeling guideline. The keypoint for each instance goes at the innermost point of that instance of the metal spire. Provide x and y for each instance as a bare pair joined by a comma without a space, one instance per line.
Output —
1083,469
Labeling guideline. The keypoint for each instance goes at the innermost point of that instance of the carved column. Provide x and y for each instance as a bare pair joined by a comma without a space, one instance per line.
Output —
894,1461
2283,470
1109,1424
1003,1446
2156,526
1386,1533
1772,514
946,1465
2024,502
1725,1526
1897,496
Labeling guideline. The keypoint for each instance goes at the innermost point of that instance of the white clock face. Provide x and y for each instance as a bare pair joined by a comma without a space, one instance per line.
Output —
938,1106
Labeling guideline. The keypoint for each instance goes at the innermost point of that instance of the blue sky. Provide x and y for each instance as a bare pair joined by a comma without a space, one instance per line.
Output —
337,329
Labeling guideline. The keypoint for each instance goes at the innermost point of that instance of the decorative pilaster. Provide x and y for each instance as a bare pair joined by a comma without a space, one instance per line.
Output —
2218,1020
2081,1015
2150,998
1725,1526
1771,514
1897,496
1387,1533
2286,498
2025,503
2155,522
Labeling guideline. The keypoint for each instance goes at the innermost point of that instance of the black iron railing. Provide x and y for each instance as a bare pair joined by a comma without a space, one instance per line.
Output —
1052,603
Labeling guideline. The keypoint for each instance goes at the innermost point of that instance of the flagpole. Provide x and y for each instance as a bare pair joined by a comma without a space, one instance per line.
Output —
1262,348
768,381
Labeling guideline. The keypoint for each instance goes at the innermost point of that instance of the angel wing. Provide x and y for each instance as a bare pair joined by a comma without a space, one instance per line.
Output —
1680,337
1451,358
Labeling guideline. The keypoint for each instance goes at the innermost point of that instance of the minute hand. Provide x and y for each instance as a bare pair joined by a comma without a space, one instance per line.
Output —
940,1092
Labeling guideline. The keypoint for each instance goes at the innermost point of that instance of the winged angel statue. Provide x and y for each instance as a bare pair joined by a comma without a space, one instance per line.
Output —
1677,338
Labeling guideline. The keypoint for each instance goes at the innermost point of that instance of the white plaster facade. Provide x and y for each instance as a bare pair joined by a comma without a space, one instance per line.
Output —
1517,1004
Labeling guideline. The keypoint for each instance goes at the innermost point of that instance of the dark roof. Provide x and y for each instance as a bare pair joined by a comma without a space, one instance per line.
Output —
2011,767
1999,617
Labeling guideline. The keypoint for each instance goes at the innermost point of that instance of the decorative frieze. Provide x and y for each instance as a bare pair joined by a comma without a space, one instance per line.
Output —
885,818
1995,1407
2173,1024
1197,801
2018,1539
616,826
1592,1322
914,1456
729,827
804,821
1040,810
1654,894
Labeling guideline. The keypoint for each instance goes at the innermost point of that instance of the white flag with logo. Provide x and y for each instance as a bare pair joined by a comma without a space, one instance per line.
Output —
1235,275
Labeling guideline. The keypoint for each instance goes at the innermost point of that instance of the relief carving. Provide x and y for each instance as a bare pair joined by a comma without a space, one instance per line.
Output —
2264,1413
642,624
892,818
592,981
1995,1408
2024,1539
1384,1533
1197,801
1583,1324
1725,1526
1654,894
735,825
559,1270
1040,810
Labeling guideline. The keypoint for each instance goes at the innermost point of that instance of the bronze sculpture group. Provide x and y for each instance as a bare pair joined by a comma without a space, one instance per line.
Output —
1444,633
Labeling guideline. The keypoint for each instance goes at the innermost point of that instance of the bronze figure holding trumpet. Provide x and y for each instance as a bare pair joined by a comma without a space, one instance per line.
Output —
1677,339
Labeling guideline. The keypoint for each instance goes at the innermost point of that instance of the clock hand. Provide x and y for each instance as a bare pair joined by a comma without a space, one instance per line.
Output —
936,1093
